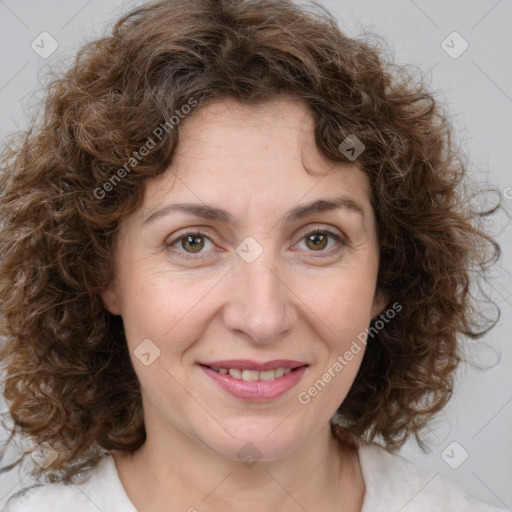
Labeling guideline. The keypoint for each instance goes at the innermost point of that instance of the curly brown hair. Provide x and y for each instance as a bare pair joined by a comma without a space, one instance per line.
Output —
68,378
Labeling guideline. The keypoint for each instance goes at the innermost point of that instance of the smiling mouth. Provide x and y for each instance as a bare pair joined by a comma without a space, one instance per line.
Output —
255,381
253,375
250,371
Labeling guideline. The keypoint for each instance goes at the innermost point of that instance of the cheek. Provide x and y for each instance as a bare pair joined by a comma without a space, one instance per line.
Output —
161,305
342,302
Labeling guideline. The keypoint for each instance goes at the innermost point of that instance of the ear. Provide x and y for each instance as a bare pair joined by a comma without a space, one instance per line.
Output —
380,301
110,299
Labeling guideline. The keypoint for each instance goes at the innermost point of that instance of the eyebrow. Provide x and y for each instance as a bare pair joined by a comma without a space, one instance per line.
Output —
211,212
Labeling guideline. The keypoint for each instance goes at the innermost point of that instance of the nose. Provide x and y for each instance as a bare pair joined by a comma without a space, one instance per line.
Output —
260,303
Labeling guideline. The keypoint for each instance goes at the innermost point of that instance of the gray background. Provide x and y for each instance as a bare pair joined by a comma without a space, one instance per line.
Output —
477,89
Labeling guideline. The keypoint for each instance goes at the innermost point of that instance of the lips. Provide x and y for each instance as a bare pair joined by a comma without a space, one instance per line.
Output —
255,381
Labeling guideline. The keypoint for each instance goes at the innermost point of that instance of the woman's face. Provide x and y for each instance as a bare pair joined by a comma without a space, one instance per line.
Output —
258,290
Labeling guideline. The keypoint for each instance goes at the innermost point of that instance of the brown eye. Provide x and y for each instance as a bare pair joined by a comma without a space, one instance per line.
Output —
322,241
193,242
190,243
317,240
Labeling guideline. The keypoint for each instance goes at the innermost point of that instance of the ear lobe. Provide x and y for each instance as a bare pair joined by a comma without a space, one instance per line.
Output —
110,300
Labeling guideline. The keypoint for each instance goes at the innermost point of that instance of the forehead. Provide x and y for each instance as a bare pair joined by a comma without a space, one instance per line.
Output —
253,154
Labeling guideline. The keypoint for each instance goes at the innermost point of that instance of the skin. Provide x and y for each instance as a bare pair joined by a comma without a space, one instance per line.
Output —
294,301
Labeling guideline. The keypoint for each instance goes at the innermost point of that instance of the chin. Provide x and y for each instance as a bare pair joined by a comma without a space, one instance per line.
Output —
265,440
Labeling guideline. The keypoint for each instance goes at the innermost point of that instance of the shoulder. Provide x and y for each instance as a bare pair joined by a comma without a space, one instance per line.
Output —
392,482
98,489
50,497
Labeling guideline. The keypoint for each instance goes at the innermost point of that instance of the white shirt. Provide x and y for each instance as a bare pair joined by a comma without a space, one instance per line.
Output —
393,484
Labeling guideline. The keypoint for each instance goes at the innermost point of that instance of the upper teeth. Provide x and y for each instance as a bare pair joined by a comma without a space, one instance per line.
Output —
251,375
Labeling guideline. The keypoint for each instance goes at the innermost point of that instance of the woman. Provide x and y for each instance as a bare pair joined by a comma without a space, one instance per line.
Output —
237,256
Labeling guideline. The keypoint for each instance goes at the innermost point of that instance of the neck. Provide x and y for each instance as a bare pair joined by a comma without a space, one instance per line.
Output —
321,475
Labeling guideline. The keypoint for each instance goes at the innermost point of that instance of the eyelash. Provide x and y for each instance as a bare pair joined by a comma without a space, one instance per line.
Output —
189,256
